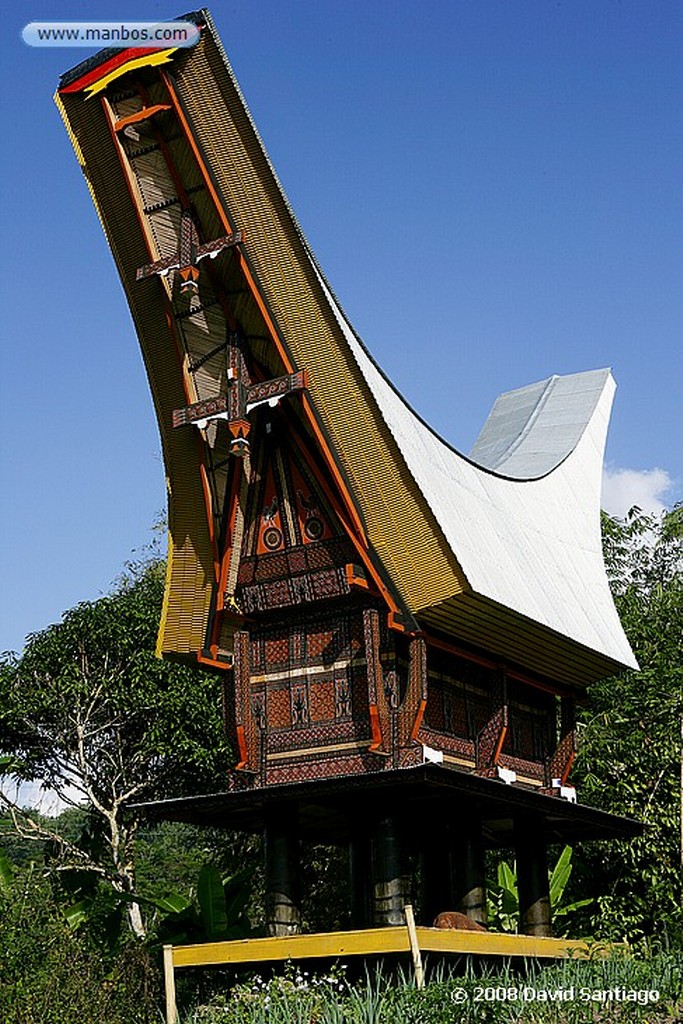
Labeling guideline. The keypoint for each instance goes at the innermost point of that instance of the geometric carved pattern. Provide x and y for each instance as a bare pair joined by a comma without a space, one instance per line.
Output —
245,721
559,765
413,707
380,720
490,739
294,550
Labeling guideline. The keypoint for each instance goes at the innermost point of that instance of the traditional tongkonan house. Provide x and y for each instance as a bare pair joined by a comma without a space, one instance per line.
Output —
402,630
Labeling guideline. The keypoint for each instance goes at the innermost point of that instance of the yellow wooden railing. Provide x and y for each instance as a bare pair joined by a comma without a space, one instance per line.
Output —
365,942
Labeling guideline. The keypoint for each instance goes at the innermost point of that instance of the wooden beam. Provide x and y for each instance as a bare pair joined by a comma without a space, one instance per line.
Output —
371,941
468,870
391,882
169,985
281,851
414,947
532,877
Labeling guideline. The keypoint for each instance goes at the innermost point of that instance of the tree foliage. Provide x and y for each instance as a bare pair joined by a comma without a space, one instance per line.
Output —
630,752
91,713
53,974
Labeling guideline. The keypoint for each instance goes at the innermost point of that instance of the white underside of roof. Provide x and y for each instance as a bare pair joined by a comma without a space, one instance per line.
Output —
532,545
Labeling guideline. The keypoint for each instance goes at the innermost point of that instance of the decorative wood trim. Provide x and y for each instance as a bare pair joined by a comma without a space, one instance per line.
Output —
245,722
412,710
559,765
376,698
489,742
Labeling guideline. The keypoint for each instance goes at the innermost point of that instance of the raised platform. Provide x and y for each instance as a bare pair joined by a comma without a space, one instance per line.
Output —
327,810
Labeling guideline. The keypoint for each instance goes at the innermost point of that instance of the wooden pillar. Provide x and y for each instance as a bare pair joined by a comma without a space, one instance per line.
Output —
532,877
281,851
360,879
437,890
391,883
468,869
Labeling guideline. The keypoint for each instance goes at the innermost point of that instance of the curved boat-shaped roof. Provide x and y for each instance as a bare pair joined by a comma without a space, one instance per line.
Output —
530,431
500,550
529,542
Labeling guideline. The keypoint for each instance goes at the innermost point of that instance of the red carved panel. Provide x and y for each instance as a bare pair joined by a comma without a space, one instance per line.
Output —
296,560
316,734
320,557
277,651
318,643
323,767
279,708
272,567
321,698
270,526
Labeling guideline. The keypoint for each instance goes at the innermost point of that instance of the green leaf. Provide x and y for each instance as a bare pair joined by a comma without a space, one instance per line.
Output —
568,908
560,876
237,889
173,903
212,902
77,914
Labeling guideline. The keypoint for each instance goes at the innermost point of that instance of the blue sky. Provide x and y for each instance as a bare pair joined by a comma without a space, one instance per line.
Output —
492,187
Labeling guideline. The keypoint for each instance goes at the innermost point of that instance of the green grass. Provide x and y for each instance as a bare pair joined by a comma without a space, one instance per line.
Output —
622,988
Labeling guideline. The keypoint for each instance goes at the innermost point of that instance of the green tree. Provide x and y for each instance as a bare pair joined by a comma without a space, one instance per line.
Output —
51,973
92,714
630,752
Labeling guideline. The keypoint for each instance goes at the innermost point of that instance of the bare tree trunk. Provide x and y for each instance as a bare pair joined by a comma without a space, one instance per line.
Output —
135,920
122,846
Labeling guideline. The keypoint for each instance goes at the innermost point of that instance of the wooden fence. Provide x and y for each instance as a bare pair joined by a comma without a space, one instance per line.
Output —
366,942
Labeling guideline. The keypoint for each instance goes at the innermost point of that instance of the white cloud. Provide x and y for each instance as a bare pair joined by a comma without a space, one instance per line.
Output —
649,489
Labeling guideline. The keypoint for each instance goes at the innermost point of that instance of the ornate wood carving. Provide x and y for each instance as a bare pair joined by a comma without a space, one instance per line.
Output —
377,700
412,709
490,740
246,720
559,764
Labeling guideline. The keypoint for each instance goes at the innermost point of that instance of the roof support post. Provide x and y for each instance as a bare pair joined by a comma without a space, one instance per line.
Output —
282,870
468,871
437,891
535,916
360,879
391,881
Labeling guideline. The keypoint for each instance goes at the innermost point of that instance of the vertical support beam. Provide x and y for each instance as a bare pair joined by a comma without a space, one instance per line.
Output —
412,709
391,882
360,879
380,718
532,877
468,869
281,852
414,947
246,729
490,740
169,985
437,890
559,764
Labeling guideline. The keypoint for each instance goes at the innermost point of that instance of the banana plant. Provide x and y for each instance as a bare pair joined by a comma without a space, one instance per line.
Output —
503,894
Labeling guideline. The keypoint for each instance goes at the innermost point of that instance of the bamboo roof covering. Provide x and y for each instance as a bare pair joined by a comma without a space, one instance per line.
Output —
499,550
